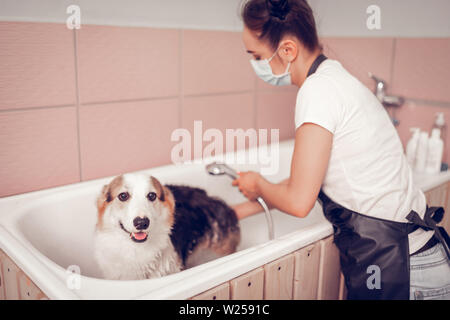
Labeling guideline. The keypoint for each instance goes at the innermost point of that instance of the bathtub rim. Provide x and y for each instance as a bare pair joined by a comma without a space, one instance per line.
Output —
39,267
18,247
54,284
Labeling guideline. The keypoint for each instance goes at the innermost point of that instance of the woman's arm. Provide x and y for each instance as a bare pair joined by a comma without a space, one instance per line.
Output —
247,208
309,164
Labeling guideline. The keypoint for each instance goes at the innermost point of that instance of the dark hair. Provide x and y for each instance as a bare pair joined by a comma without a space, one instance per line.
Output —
273,19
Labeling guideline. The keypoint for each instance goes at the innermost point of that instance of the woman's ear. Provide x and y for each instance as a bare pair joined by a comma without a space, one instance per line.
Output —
288,50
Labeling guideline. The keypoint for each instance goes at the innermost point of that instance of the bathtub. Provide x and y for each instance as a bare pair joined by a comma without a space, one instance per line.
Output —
46,233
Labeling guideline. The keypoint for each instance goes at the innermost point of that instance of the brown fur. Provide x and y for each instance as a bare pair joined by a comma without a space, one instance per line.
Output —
109,192
159,188
202,221
166,198
223,246
170,204
229,244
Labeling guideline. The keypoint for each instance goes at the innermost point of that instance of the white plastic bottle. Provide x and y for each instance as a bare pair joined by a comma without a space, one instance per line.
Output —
411,147
434,153
439,123
421,155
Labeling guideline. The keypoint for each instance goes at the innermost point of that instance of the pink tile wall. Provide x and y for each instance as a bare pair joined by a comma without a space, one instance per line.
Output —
99,101
422,69
228,111
276,110
362,55
104,100
421,72
219,111
125,136
215,62
117,63
38,149
37,65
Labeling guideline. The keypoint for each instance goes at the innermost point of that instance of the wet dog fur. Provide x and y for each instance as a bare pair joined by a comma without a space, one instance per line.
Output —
146,229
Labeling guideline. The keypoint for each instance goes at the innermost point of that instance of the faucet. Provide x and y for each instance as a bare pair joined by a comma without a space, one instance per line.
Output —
386,100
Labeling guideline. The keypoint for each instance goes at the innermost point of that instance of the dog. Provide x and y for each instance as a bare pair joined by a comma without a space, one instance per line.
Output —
145,229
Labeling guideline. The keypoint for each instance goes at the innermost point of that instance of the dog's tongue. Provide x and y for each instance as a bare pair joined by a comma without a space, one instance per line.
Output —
139,235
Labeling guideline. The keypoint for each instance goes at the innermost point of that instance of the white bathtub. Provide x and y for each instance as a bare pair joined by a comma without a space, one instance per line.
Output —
45,232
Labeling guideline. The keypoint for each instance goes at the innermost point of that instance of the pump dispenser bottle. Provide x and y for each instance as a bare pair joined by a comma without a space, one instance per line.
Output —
440,124
421,155
434,153
411,147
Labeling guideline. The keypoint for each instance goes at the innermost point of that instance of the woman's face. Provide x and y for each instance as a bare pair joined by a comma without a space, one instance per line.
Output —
261,50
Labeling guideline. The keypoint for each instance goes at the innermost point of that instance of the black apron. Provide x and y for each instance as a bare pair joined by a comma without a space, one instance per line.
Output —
374,252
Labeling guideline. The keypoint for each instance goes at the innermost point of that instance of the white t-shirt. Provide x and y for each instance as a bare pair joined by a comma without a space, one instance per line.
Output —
368,171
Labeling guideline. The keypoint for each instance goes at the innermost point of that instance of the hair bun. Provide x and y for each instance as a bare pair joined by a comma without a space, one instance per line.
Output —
278,8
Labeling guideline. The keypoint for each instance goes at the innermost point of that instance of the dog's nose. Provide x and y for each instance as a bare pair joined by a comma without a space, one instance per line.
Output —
141,223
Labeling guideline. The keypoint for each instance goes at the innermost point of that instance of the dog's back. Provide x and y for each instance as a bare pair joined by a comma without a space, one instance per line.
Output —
202,222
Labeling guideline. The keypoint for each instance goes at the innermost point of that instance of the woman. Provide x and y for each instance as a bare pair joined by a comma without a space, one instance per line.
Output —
347,153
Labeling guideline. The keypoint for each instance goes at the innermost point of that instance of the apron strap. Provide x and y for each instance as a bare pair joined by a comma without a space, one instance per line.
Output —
433,215
320,58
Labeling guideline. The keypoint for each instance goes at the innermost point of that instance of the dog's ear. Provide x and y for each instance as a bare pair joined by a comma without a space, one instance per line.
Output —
102,197
102,200
169,203
109,191
105,194
159,188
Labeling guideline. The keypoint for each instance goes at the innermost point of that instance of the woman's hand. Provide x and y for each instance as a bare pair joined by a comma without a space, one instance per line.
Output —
247,182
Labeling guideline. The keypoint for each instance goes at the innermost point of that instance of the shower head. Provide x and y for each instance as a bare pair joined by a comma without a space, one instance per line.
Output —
217,168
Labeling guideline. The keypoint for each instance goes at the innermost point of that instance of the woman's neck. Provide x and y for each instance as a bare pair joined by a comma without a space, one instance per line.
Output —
302,64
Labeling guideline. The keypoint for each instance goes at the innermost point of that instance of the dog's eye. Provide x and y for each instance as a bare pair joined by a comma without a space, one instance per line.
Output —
123,196
151,196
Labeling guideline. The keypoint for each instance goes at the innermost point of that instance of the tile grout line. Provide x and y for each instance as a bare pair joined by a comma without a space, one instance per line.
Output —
394,47
77,102
37,108
391,75
217,93
255,103
180,78
130,100
429,103
93,103
167,97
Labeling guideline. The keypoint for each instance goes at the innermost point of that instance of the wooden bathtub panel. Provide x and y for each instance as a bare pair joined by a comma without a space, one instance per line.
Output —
279,278
221,292
306,273
439,197
10,272
342,288
28,290
2,281
330,269
249,286
446,220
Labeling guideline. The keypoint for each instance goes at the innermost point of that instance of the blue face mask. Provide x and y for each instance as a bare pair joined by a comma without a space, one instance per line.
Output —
264,72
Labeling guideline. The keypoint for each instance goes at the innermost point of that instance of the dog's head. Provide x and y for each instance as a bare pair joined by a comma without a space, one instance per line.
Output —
136,204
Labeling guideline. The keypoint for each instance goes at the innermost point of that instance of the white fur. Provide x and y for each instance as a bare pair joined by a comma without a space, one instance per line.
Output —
117,255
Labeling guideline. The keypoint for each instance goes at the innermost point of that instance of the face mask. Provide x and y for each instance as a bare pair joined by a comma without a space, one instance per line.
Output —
264,72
